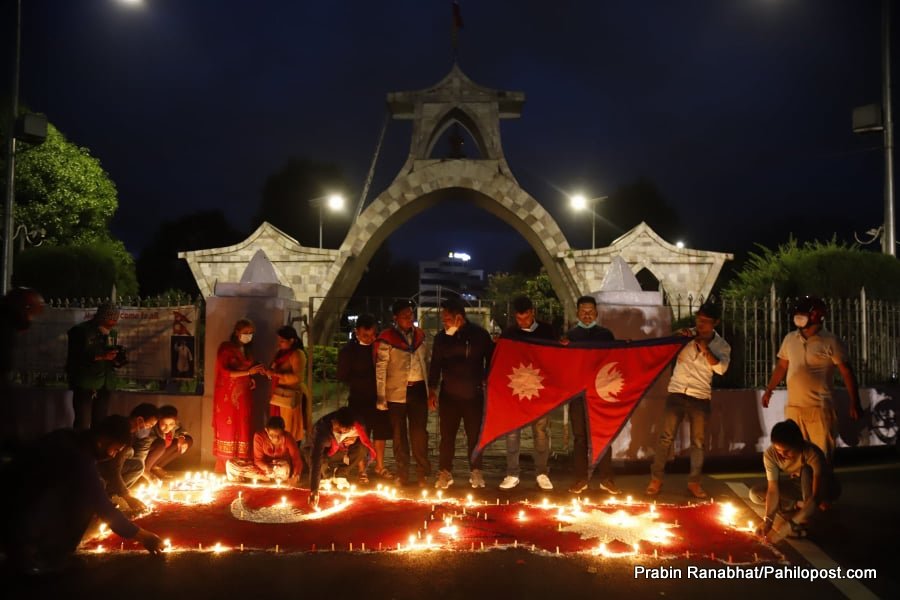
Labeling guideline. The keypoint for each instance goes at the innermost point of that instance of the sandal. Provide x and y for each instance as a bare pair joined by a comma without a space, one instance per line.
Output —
384,473
363,478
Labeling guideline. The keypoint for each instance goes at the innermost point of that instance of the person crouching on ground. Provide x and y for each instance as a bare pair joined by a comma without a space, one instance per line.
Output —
339,443
275,457
805,464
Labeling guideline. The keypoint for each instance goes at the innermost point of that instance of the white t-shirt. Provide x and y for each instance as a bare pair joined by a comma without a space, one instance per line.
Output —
811,363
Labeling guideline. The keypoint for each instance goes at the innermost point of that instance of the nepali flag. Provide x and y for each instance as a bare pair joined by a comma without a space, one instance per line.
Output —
528,379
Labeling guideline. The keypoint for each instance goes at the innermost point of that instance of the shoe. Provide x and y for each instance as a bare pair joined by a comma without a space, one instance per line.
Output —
697,491
444,480
544,482
384,474
476,478
654,487
609,486
578,487
509,482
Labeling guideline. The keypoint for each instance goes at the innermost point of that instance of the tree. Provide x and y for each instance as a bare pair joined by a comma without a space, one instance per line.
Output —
502,288
286,196
819,269
63,190
159,269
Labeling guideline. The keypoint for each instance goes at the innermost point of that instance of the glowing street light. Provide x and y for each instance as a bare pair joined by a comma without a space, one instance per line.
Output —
334,202
579,202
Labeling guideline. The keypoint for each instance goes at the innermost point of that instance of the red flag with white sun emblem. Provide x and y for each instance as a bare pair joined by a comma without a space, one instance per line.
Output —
528,379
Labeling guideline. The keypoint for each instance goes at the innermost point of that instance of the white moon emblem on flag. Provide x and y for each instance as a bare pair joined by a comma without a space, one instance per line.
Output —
525,381
609,382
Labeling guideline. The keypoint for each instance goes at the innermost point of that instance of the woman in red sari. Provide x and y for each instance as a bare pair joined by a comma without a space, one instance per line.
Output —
232,402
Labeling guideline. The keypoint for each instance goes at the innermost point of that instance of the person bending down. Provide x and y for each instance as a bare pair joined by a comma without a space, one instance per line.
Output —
805,464
44,518
339,443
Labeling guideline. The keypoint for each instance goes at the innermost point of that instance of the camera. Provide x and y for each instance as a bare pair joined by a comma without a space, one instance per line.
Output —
121,358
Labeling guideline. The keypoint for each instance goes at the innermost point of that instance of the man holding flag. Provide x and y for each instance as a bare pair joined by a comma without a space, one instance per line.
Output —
690,390
527,328
530,377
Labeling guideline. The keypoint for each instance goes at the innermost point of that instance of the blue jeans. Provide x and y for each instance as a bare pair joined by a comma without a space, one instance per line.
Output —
678,407
541,431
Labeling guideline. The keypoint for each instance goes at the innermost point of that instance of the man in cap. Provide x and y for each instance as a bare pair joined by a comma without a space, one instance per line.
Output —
90,365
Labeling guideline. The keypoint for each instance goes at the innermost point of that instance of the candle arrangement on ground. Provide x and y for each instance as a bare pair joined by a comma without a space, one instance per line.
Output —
223,517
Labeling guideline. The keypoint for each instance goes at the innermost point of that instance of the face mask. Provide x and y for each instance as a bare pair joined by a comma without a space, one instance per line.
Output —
340,437
362,343
532,328
104,330
245,338
583,326
451,330
801,321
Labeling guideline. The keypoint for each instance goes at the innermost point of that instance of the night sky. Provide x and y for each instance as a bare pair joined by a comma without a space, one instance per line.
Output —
738,110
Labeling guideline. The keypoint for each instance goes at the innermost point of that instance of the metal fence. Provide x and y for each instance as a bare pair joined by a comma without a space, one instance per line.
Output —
40,353
755,328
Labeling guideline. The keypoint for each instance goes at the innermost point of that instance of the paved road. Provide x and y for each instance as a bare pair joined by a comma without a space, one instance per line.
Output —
861,532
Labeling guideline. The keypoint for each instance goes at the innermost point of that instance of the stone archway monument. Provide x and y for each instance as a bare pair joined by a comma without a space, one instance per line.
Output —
323,280
422,182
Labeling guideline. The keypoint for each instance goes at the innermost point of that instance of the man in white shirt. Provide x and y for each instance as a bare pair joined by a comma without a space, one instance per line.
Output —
808,357
690,390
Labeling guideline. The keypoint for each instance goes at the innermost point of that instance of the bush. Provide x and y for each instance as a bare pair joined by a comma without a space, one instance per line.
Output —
324,363
829,269
88,270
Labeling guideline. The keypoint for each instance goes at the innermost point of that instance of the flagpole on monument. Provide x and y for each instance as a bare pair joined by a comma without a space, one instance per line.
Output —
454,30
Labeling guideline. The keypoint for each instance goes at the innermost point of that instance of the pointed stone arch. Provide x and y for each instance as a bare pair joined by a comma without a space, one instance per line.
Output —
453,116
484,185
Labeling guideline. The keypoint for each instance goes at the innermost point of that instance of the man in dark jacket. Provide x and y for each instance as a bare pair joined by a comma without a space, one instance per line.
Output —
356,368
528,328
90,365
17,309
44,517
459,363
588,330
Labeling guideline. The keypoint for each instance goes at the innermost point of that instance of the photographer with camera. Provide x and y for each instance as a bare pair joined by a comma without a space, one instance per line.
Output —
90,365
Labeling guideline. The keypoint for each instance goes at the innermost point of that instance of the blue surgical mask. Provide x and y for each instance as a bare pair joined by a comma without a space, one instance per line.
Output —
583,326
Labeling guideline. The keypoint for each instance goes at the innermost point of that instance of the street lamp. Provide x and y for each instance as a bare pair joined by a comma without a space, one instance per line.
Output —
579,202
9,197
334,202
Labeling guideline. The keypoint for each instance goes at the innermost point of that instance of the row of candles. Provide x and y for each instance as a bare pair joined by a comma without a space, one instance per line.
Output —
201,488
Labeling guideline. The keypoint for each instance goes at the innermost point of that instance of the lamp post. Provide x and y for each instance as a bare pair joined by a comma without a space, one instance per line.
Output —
6,263
335,203
579,202
9,196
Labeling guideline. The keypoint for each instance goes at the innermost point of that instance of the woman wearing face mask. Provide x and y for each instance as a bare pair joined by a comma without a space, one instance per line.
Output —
290,395
232,402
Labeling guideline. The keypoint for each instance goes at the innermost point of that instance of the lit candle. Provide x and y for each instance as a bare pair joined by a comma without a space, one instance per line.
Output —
521,515
629,500
277,482
469,498
440,494
424,494
284,502
428,539
217,548
100,548
546,503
